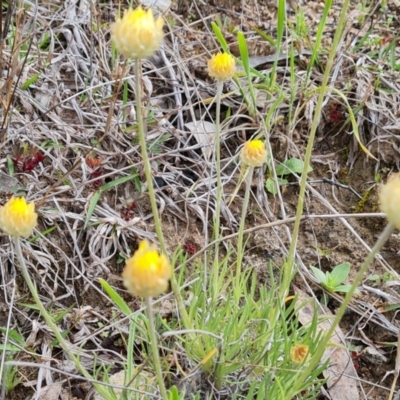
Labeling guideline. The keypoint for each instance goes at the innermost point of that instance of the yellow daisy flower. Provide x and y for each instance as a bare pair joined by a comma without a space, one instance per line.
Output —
146,274
17,218
137,34
222,66
389,197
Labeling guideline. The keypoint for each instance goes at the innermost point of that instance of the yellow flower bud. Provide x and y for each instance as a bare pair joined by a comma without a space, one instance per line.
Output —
17,218
299,353
389,197
254,153
147,273
221,66
137,34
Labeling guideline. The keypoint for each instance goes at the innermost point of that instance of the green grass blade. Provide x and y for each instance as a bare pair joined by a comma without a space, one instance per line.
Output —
93,203
268,119
353,122
42,234
115,297
318,40
9,348
266,37
220,37
117,182
280,31
96,197
244,53
30,81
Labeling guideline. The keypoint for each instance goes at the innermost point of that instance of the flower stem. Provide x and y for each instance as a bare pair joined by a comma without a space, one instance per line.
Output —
146,161
49,321
339,314
239,261
154,349
289,265
150,187
217,217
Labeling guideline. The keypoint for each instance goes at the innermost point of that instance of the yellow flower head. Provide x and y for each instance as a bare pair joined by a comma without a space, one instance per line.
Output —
389,197
253,153
147,273
17,218
299,353
137,34
221,66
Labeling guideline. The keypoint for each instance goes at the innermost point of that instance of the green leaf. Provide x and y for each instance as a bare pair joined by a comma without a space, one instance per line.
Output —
115,297
44,43
29,306
244,54
173,393
392,307
293,165
266,37
93,203
55,341
339,274
42,234
30,81
10,165
374,278
125,93
271,186
296,165
220,37
117,182
321,277
353,122
14,336
8,347
281,170
96,197
344,289
328,284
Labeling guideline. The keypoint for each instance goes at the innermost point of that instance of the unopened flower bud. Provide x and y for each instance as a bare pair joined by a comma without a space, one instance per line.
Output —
389,197
299,353
254,153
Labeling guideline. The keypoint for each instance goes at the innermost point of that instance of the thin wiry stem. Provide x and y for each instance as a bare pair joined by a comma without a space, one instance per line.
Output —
154,349
339,314
218,200
145,157
396,368
3,369
289,265
150,188
241,231
49,320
